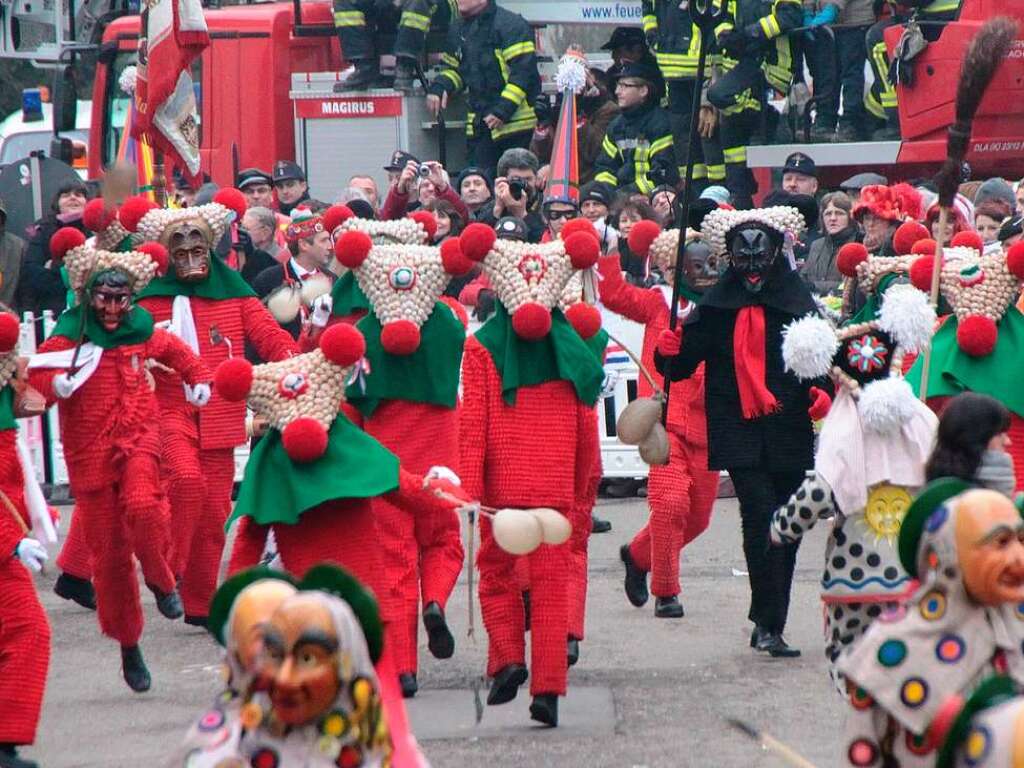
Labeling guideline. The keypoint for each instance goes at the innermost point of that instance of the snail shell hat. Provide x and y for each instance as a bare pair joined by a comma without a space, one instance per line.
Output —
717,225
156,224
83,261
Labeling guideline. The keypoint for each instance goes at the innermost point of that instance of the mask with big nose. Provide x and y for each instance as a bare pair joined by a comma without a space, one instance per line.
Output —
189,246
752,251
110,298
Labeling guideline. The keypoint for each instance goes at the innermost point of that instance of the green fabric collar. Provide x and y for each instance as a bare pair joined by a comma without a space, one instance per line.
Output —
997,375
347,296
873,304
222,283
428,375
561,354
136,327
7,420
277,490
690,294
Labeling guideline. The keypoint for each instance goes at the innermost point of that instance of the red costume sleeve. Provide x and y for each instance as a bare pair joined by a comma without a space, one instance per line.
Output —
42,378
638,304
416,499
169,350
250,541
473,419
272,342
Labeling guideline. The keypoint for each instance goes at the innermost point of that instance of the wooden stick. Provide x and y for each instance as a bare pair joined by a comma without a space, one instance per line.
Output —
646,374
934,298
771,744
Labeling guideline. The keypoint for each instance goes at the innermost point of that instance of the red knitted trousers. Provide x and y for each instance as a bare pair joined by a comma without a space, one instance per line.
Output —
581,516
422,553
74,554
501,602
342,532
24,654
199,485
129,517
680,496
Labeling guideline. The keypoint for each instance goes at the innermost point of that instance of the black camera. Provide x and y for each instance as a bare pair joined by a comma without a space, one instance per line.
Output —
516,188
423,170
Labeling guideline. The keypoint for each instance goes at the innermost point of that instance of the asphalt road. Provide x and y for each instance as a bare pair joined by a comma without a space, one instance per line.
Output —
646,692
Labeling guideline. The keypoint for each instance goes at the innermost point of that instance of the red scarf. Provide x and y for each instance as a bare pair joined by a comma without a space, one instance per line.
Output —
748,351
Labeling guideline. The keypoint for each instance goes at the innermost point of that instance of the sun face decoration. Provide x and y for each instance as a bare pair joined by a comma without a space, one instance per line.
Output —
883,514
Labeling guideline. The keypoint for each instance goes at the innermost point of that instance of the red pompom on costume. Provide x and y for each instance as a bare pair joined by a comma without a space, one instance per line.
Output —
10,332
583,249
335,216
233,379
1015,260
585,319
232,198
304,440
477,240
907,234
849,256
64,240
924,247
96,216
968,239
642,235
400,337
428,221
132,210
531,321
352,248
921,273
977,335
580,225
455,262
158,254
342,344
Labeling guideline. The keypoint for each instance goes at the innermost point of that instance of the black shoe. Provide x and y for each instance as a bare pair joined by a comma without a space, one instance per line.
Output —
168,603
506,684
197,621
77,590
134,669
405,75
363,77
776,647
407,682
621,488
668,607
572,650
597,525
642,490
526,610
636,580
544,709
758,635
439,637
9,759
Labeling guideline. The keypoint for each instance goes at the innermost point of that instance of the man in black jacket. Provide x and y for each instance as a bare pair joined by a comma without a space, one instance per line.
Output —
495,62
758,413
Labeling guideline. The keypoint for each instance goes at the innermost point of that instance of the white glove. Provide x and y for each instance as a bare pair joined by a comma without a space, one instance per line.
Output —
322,306
32,554
199,395
611,378
443,473
63,385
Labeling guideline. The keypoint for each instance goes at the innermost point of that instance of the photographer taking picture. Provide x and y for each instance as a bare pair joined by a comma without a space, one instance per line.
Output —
515,191
402,197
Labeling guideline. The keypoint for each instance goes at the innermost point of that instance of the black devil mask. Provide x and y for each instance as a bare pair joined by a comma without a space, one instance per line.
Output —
753,249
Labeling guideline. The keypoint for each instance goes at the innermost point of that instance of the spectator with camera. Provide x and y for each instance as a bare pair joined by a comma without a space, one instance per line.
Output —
515,192
402,197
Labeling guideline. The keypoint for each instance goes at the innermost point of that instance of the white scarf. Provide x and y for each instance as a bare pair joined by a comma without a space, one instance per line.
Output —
88,361
183,325
38,510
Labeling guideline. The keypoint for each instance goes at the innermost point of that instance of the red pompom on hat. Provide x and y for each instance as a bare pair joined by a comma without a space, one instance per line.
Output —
849,256
578,225
428,221
96,217
583,250
157,253
477,240
924,247
910,201
10,332
233,379
63,240
976,335
642,235
232,198
343,344
304,440
400,337
132,210
335,216
907,234
586,319
1015,260
968,239
921,273
454,261
532,321
352,248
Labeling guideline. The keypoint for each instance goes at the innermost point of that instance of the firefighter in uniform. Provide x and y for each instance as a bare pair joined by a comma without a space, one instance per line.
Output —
675,41
637,152
495,62
754,49
880,100
357,37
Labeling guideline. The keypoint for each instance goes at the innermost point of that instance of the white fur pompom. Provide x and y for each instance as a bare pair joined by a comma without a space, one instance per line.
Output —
572,73
284,303
315,287
907,316
808,346
126,82
886,405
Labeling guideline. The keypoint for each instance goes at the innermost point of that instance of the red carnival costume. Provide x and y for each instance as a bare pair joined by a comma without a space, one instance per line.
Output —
24,630
529,386
213,310
108,423
682,492
408,401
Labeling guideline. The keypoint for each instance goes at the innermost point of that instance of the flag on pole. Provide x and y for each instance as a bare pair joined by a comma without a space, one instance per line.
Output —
137,152
564,183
